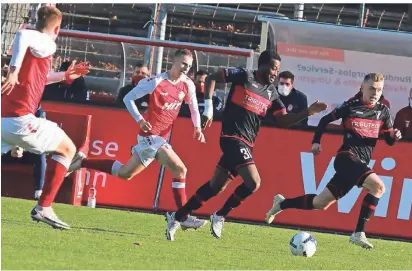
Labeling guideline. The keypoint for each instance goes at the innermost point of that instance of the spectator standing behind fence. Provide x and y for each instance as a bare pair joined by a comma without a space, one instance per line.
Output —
294,100
67,90
403,119
18,156
140,71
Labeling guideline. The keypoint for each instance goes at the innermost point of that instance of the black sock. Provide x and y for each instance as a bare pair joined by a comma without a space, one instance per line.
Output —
239,195
368,206
203,194
304,202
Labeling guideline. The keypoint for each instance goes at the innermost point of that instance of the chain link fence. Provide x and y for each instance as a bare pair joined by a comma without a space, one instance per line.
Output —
13,17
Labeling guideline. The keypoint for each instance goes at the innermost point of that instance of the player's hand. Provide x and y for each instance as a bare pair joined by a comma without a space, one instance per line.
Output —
17,152
207,116
11,81
316,148
206,122
317,107
75,71
198,135
396,134
145,125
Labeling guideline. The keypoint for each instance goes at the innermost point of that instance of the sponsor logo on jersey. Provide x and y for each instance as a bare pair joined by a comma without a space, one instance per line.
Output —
171,106
378,114
269,93
364,127
250,101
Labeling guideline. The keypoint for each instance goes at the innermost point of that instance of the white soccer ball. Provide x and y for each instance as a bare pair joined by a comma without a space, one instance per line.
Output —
303,244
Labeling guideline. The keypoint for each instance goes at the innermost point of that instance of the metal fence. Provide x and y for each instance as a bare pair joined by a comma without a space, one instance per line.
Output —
13,17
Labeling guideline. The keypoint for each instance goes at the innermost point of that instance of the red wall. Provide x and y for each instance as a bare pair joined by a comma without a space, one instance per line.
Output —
278,155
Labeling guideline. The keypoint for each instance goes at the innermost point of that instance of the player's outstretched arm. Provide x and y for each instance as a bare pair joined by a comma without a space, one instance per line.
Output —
73,72
321,128
289,119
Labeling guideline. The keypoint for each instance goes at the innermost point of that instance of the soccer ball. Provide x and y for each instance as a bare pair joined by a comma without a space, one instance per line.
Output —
303,244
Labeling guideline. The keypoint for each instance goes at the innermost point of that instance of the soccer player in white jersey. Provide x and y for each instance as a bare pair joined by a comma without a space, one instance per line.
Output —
167,92
21,94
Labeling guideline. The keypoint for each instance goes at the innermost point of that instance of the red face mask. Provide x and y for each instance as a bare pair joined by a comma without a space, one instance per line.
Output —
137,78
200,87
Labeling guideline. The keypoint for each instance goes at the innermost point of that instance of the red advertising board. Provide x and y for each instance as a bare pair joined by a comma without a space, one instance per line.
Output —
285,163
113,134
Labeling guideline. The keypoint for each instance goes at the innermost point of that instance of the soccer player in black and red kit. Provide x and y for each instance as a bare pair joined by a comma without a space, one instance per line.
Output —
252,93
363,118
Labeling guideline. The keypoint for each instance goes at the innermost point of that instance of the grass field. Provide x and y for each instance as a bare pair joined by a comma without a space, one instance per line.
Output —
106,239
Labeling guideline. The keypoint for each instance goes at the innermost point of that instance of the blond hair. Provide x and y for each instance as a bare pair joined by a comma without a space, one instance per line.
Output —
374,77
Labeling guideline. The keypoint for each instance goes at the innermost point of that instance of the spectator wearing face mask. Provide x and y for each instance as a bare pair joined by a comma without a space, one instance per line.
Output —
403,119
294,100
200,78
140,72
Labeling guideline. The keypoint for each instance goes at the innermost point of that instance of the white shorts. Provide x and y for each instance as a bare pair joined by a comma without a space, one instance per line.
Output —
36,135
147,148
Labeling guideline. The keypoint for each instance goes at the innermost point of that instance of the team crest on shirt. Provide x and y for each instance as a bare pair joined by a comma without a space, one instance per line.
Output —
181,95
269,93
378,114
290,107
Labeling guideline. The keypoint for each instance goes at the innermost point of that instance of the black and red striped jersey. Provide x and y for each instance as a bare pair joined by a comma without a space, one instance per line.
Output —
362,125
248,100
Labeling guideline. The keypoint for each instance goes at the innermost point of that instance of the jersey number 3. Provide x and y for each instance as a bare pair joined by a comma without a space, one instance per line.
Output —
246,153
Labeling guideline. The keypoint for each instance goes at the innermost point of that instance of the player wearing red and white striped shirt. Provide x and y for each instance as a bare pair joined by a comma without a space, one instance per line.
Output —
21,94
167,92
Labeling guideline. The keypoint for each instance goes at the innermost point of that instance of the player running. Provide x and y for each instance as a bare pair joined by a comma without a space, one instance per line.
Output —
252,93
363,119
167,92
21,94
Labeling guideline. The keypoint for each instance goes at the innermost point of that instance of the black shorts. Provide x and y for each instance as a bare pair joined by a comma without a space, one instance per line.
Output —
236,153
350,171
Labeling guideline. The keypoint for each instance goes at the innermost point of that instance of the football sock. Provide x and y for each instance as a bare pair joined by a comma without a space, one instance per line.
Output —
203,194
304,202
238,196
368,206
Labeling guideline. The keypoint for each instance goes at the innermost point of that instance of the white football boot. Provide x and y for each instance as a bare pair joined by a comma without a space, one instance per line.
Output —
192,222
359,238
216,226
172,226
47,215
270,216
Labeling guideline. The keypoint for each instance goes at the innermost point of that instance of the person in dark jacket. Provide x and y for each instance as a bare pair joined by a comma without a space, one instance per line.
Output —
64,91
294,100
140,71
